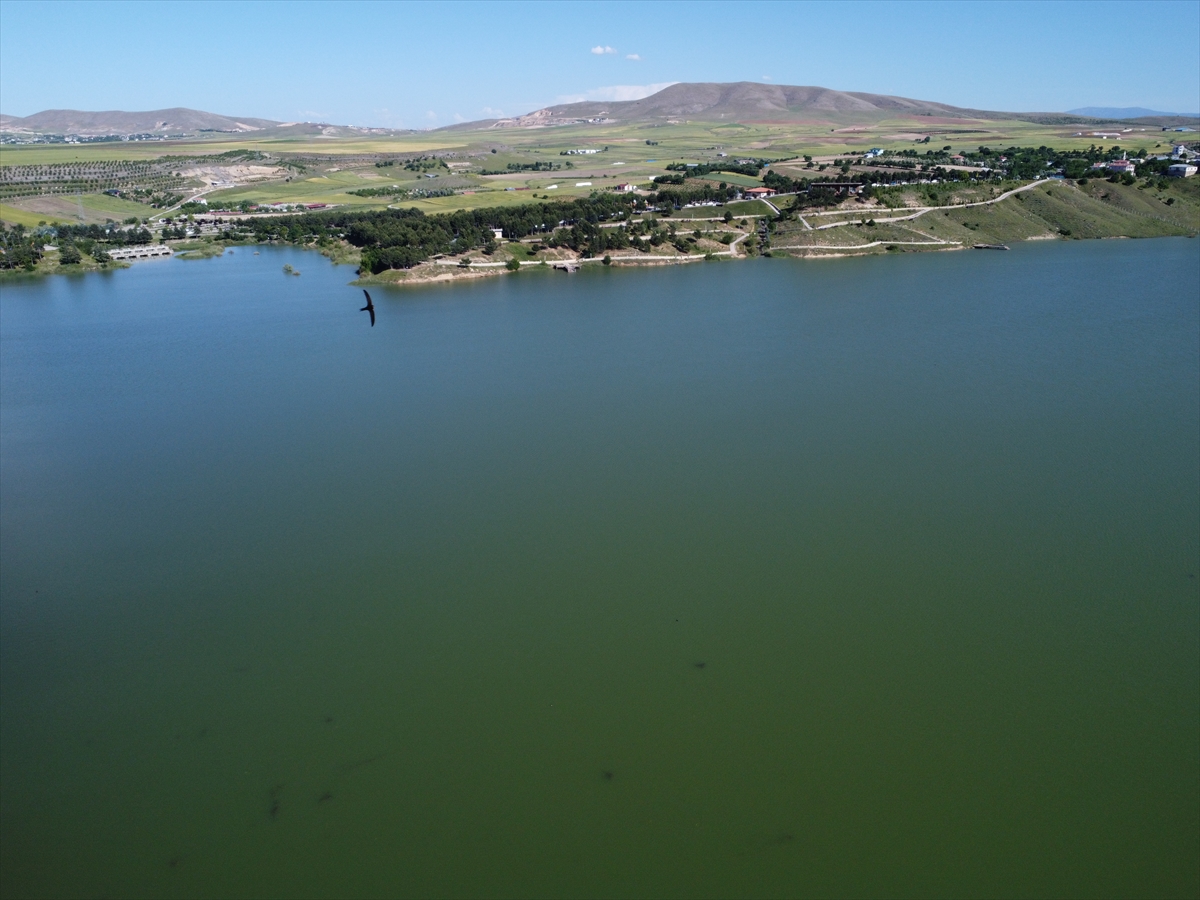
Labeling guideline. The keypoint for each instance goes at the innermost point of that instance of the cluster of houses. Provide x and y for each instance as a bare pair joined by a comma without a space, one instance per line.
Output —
1181,169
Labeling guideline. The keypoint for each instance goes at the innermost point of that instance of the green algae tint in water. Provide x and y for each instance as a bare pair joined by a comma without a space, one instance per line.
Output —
862,578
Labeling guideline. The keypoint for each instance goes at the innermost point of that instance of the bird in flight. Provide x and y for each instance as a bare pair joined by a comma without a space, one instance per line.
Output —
370,307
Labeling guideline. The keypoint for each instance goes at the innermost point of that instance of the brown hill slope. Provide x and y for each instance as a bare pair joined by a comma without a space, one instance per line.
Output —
741,101
160,121
748,101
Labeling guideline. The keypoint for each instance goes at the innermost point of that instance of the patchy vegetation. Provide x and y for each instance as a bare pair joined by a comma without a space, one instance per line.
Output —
1054,210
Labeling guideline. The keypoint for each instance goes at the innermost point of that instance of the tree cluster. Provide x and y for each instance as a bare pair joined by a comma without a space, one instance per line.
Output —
403,238
694,171
111,234
1034,162
699,193
19,249
425,163
536,166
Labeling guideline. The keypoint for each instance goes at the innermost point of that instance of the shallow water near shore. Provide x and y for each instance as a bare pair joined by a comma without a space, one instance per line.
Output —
770,578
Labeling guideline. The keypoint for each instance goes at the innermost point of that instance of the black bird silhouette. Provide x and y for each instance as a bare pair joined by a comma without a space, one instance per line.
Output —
370,308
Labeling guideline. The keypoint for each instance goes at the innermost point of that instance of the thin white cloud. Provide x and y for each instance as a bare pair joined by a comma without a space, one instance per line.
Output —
616,92
492,113
431,115
601,50
459,117
633,56
766,78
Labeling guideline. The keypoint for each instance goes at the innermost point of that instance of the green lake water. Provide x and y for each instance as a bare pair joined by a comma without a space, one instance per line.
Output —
848,578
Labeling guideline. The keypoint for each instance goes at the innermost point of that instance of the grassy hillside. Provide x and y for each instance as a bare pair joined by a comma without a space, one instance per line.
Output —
85,208
1099,210
1055,211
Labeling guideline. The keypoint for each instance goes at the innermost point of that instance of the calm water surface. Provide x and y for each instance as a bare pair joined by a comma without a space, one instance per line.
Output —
869,577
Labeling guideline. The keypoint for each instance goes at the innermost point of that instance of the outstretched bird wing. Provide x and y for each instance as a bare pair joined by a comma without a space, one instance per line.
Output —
369,308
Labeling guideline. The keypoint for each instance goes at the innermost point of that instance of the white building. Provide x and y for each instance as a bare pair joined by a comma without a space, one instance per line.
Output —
1181,170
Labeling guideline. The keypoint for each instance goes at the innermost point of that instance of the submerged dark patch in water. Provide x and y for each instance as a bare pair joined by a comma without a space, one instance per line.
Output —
907,504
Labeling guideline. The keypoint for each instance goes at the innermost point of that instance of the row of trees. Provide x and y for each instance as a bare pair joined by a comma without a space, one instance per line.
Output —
536,166
699,193
111,234
751,168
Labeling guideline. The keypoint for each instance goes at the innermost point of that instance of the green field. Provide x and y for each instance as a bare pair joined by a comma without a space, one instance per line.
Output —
736,208
14,216
732,178
85,208
325,169
41,154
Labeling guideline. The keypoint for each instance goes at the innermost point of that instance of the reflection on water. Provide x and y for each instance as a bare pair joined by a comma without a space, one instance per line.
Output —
770,578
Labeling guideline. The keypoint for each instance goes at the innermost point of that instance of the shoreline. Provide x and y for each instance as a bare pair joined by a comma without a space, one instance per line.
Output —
422,275
1042,210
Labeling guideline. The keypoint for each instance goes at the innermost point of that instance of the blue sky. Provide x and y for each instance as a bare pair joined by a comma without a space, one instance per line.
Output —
416,65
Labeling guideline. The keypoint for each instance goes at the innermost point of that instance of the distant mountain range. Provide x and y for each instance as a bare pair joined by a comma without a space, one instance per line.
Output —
750,101
1126,112
156,121
743,101
736,102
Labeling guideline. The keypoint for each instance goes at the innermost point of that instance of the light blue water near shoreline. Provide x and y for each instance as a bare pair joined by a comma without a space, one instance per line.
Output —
931,523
